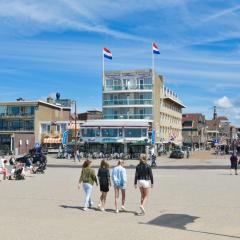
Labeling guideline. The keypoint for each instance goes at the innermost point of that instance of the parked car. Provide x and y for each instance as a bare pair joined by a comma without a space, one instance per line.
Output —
177,154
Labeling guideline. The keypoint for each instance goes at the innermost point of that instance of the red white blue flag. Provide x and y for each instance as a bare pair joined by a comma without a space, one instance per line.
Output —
155,49
107,53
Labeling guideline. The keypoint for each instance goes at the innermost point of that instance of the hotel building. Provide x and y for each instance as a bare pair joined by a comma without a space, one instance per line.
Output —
138,98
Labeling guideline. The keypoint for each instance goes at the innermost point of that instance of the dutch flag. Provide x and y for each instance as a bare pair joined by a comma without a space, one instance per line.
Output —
107,53
155,49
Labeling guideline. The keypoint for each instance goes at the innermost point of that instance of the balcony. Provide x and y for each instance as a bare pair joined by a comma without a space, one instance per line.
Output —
128,116
16,116
128,88
128,102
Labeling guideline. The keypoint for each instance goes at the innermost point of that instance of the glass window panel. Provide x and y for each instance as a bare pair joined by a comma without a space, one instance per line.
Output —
110,132
133,132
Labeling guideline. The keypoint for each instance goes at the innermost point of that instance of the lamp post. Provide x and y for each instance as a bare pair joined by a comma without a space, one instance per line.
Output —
75,129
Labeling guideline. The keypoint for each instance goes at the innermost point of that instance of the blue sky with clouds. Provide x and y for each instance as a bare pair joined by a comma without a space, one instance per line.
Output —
48,46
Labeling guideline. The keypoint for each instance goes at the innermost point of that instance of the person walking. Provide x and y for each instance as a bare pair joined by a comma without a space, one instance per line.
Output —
144,178
119,178
104,182
234,163
87,179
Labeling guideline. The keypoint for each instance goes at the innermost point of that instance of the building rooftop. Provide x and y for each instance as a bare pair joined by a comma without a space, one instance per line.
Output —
31,103
116,123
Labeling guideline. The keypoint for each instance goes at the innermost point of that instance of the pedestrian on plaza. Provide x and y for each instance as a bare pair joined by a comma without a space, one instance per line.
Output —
234,163
144,179
3,169
119,178
104,182
87,179
78,155
188,153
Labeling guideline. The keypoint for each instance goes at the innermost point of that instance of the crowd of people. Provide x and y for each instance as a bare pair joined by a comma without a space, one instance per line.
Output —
16,169
118,178
11,169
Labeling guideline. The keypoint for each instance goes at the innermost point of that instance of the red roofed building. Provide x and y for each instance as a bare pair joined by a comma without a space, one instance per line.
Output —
194,129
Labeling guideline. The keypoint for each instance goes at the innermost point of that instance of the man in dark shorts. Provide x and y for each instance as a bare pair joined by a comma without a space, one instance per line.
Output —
234,163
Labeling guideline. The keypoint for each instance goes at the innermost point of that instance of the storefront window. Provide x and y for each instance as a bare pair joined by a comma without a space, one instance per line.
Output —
144,132
89,132
110,132
133,132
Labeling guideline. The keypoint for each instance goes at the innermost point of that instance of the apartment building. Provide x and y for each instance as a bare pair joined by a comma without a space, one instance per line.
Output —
141,95
20,123
194,130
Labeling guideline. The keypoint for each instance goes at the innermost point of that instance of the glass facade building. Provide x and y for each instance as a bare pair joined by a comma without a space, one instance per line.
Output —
128,95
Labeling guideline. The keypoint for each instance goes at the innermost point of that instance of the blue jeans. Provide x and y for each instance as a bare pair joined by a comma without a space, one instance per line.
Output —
87,187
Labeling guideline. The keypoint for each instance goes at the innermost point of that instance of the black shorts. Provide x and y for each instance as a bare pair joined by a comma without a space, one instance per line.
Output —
234,166
104,187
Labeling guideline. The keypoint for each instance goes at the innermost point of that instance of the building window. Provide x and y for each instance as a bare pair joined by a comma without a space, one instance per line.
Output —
110,132
89,132
133,132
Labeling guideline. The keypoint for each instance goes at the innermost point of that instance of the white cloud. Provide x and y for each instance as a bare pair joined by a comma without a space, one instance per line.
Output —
224,102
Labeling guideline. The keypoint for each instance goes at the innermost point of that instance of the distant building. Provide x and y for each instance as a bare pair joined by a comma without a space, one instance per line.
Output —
194,129
20,123
218,129
90,115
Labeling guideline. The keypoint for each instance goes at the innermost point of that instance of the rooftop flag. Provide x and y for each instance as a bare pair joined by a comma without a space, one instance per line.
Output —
107,53
155,49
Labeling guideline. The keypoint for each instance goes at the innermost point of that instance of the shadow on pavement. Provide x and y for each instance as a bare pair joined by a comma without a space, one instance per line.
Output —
179,221
96,209
77,207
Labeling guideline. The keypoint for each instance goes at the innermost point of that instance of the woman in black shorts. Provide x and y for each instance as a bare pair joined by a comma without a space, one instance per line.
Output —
104,182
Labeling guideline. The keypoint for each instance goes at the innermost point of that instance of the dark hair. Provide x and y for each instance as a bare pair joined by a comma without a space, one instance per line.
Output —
86,163
104,164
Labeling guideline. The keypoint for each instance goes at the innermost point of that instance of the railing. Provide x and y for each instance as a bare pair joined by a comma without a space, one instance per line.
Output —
127,116
22,115
131,87
128,102
16,129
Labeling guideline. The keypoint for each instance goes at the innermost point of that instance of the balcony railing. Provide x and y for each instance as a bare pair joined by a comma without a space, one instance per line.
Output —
128,102
12,116
127,116
131,87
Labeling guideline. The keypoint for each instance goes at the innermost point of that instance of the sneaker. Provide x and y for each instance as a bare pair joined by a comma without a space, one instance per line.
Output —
142,209
123,208
117,211
102,209
90,204
85,209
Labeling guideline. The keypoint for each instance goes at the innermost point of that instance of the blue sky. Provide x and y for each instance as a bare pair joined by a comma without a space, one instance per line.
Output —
49,46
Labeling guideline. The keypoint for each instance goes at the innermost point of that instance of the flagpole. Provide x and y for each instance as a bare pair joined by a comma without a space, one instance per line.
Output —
103,69
153,93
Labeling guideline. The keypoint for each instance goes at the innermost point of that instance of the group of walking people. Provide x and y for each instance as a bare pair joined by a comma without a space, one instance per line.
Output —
118,178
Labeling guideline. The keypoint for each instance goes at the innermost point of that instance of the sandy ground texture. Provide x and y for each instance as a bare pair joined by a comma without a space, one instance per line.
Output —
192,198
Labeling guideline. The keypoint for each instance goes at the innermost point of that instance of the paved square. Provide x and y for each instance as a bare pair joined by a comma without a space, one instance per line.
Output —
191,199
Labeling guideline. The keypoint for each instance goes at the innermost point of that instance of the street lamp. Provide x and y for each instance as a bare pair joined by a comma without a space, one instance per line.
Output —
75,129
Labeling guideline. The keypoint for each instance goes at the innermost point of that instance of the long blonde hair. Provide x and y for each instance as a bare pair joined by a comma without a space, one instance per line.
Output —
143,159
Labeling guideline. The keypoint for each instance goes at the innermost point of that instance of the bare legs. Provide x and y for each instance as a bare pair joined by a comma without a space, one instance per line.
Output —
116,190
102,200
144,196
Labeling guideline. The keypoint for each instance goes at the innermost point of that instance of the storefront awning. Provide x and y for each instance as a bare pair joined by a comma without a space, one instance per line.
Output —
52,140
